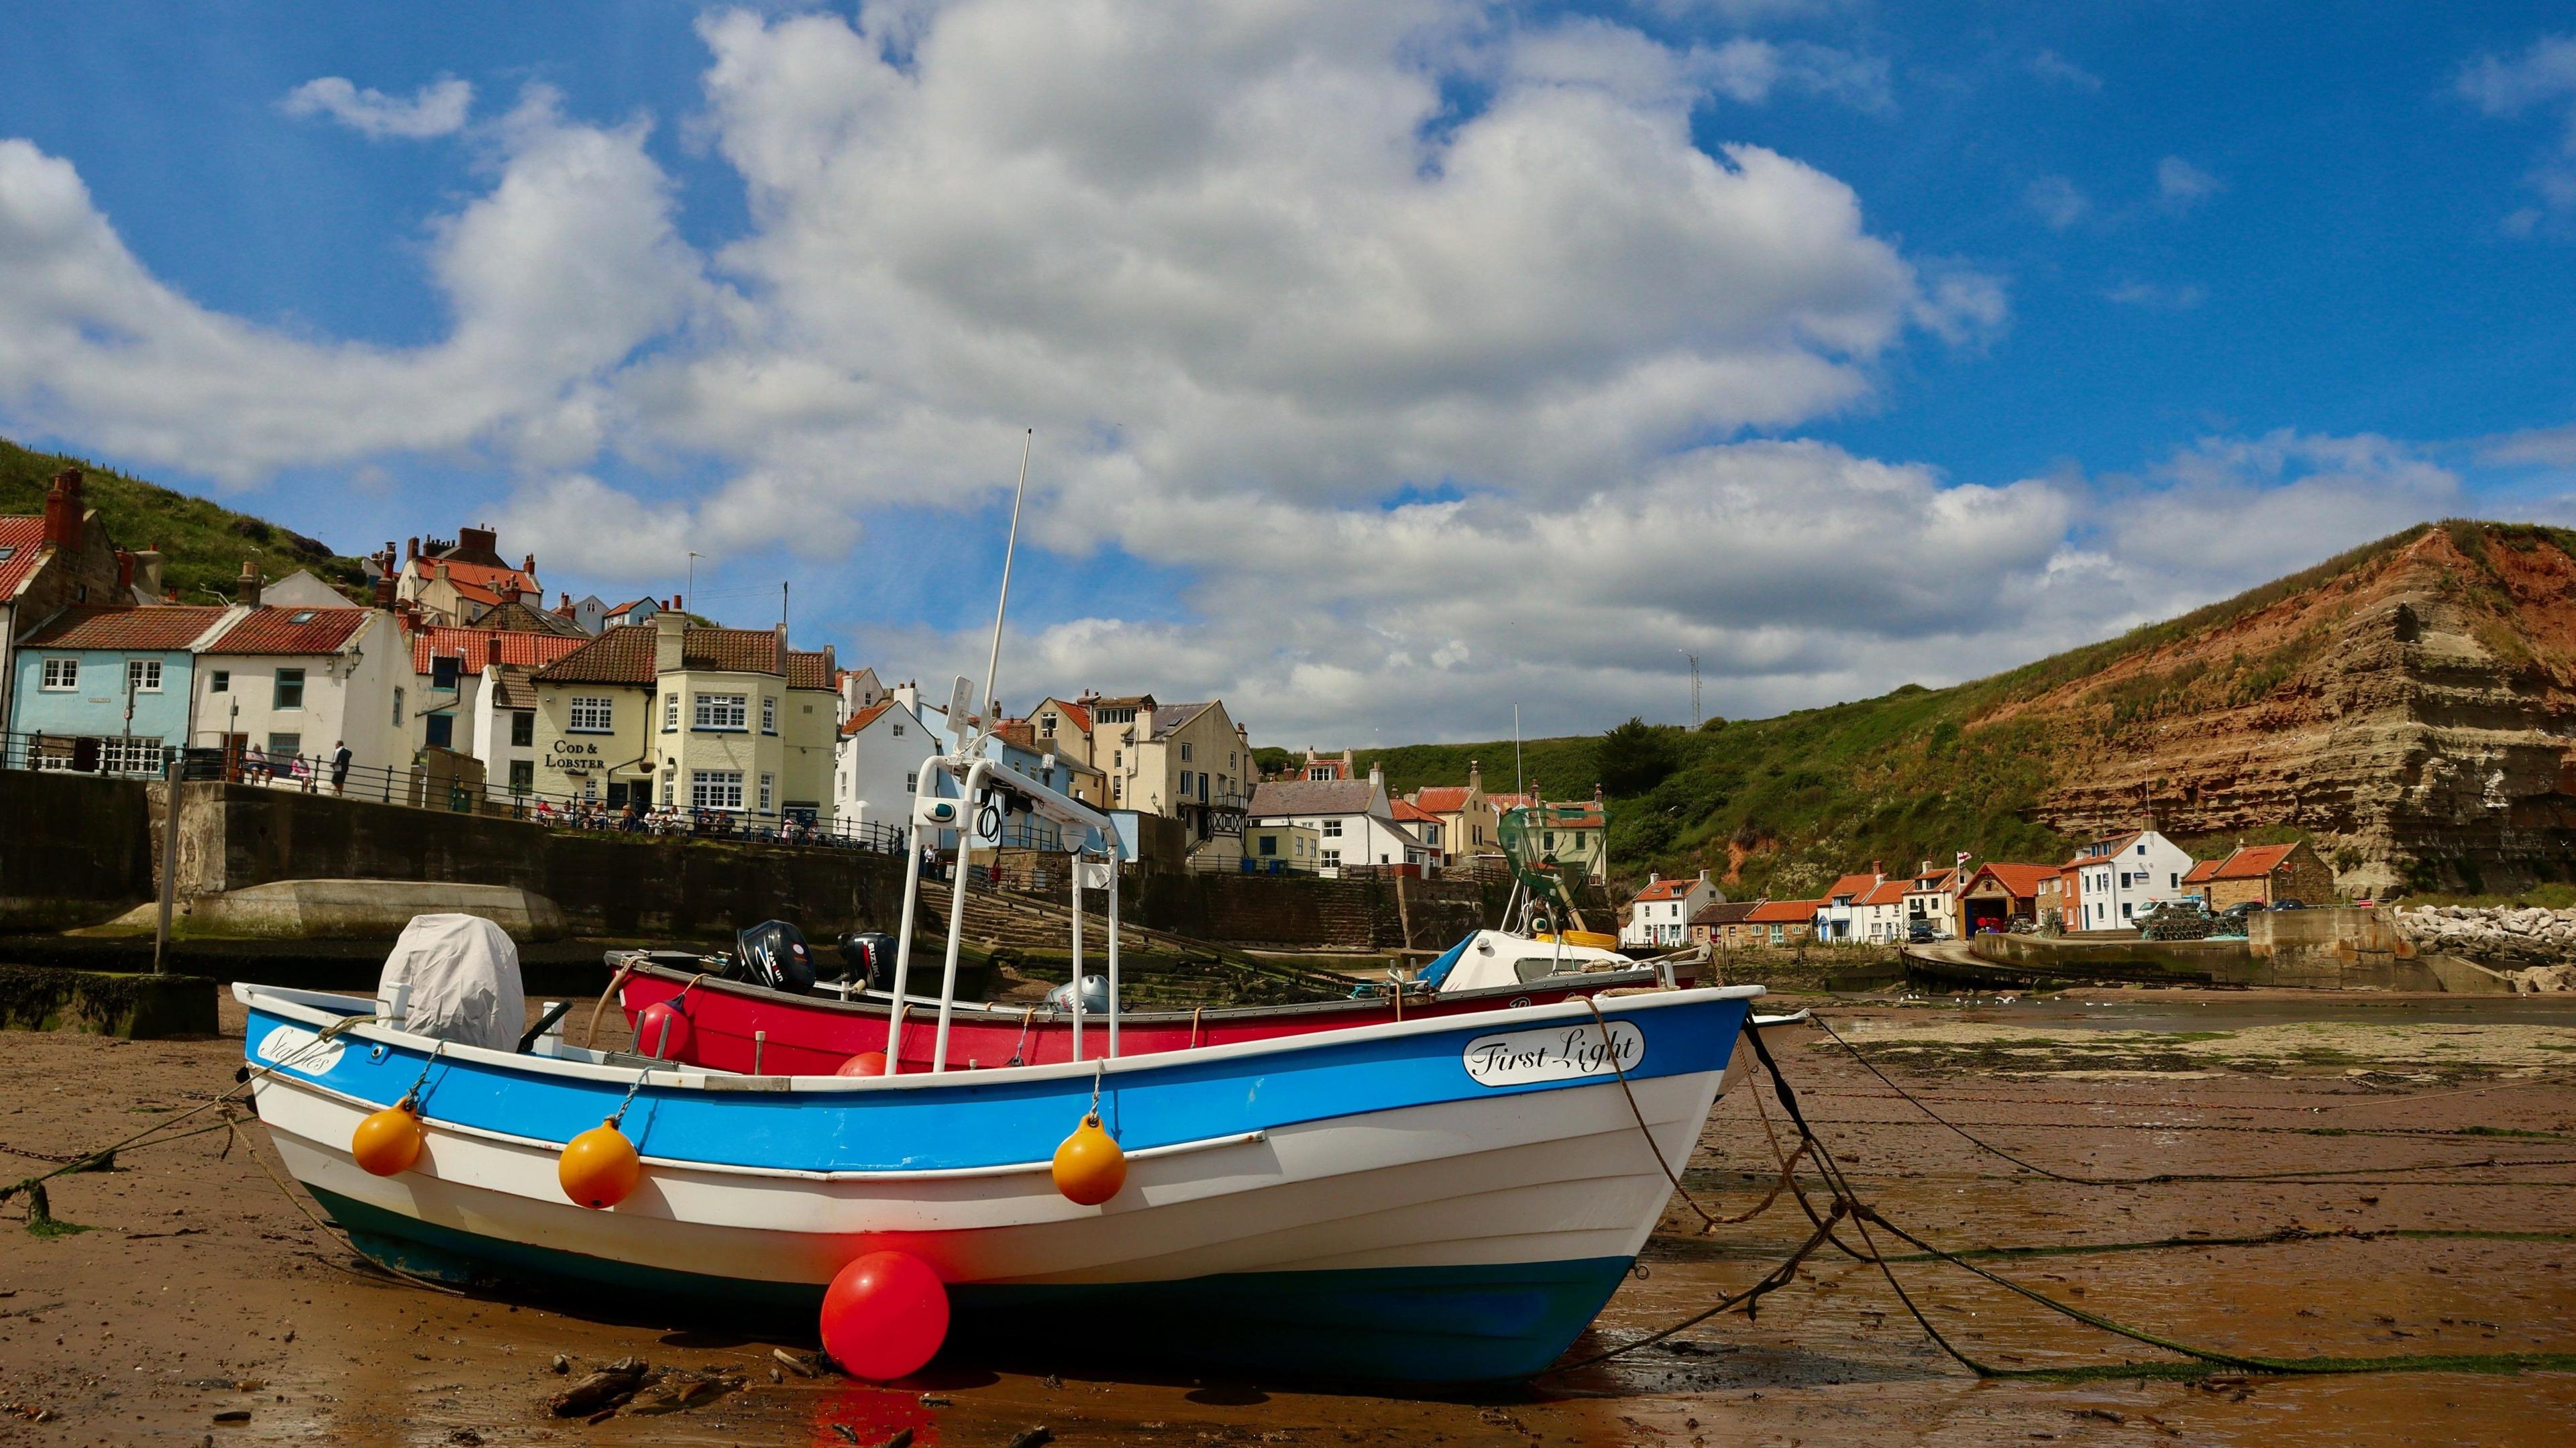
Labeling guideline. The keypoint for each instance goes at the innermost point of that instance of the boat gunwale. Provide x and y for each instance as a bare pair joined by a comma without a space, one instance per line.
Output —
325,1008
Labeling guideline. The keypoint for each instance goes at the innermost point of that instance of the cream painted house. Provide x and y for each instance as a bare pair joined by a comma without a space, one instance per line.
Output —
1190,762
1469,824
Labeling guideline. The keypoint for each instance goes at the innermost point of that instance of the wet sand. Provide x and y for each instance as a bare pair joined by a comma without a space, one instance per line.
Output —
202,1290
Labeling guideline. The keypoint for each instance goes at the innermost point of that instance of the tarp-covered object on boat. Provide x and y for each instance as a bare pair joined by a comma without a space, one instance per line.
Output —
463,974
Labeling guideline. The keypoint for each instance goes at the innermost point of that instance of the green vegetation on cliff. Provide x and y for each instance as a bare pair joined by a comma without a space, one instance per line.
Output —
202,543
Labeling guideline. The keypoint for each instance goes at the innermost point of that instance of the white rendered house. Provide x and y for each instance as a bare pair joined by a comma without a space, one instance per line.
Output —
2125,876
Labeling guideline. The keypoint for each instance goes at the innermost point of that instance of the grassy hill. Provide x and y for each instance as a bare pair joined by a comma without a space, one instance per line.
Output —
1790,802
202,543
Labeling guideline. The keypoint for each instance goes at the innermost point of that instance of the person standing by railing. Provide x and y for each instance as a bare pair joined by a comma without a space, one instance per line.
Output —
340,758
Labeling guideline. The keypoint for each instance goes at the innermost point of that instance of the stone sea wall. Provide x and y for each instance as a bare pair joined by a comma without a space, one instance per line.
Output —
2535,946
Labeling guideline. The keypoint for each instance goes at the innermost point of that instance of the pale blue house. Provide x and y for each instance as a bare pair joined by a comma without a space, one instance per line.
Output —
105,688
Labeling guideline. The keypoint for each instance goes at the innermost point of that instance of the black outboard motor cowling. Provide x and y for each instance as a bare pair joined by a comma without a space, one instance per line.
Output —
773,954
869,954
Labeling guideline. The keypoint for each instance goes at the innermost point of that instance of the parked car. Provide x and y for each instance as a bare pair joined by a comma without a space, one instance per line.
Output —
1921,933
2289,905
2241,909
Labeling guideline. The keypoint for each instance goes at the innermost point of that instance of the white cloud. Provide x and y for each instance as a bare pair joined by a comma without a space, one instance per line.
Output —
2533,447
554,277
2544,75
2057,201
2050,66
436,109
2182,185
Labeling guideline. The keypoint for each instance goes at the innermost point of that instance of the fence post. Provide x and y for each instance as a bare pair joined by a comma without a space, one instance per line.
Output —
169,858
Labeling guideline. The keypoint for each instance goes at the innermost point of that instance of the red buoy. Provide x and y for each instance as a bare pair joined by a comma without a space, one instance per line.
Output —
662,1031
866,1063
884,1316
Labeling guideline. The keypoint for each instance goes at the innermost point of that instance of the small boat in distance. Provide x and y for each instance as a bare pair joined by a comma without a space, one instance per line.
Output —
737,1025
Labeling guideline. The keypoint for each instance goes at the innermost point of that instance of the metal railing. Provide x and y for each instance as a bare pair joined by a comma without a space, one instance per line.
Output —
424,786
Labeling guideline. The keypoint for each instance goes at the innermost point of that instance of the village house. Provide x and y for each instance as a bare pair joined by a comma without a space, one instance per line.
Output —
1932,899
2001,892
2060,898
1783,922
1660,912
879,761
1353,820
2124,877
1572,835
723,719
294,684
2263,875
60,559
458,581
473,691
1429,828
1189,762
1879,916
103,689
1838,918
1469,826
1280,849
1725,924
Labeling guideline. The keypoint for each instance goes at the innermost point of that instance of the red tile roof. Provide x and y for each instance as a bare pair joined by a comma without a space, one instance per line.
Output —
731,650
480,647
1853,885
126,628
276,631
620,655
2252,862
1672,889
1725,912
2202,871
1889,892
24,538
1406,810
809,670
1442,798
482,577
866,716
1784,912
2020,879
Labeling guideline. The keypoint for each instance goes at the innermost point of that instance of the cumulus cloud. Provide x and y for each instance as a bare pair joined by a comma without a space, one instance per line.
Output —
554,276
436,109
2533,447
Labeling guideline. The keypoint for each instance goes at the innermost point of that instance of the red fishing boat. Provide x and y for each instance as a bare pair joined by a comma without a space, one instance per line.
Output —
737,1025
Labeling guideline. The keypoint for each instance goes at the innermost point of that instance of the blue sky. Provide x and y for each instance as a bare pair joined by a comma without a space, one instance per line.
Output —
2041,294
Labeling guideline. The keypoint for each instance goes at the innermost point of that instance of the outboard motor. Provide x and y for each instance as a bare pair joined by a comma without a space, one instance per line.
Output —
1095,997
773,954
869,954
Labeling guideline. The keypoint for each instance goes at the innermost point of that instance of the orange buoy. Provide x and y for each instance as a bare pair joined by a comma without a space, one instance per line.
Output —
387,1142
1089,1166
599,1168
865,1063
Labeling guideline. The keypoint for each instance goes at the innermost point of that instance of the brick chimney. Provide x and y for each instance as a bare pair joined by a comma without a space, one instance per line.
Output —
63,510
529,567
675,603
246,587
384,590
147,570
667,629
563,608
411,549
124,577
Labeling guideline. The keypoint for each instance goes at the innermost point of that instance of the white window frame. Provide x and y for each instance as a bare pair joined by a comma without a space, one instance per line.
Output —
591,714
1332,829
61,676
768,716
723,713
715,789
768,786
143,676
670,717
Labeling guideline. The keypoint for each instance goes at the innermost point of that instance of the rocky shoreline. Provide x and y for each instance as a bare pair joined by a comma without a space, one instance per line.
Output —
2533,945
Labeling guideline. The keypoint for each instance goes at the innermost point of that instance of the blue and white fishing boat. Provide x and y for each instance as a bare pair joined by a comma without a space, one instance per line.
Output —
1434,1200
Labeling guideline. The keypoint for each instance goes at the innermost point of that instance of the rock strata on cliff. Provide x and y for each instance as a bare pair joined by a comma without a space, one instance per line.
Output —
2412,706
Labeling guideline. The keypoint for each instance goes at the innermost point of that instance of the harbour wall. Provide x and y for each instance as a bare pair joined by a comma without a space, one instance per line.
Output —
2335,948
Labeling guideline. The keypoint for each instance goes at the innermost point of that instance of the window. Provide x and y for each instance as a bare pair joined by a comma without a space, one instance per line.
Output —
2173,880
1332,829
290,690
1270,844
722,711
912,782
143,676
670,717
1203,793
398,702
523,776
1117,757
284,747
591,714
438,730
715,788
2124,909
442,671
1185,753
666,792
222,682
2142,847
523,732
768,716
1333,859
898,731
61,676
301,615
118,754
1046,726
765,784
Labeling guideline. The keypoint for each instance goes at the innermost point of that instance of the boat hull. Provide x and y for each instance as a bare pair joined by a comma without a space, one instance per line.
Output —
1412,1202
